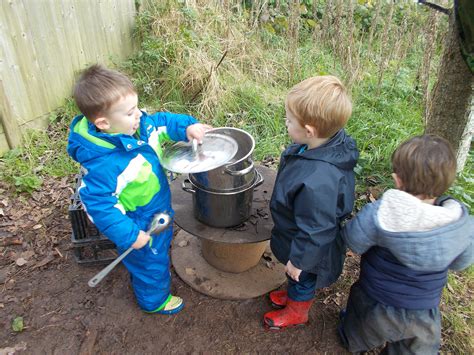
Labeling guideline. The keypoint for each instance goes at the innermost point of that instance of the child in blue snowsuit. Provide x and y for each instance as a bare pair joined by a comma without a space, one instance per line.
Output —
408,240
124,185
313,192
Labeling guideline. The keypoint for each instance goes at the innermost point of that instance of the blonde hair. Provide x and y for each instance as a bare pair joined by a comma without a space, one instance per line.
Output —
98,88
321,102
426,165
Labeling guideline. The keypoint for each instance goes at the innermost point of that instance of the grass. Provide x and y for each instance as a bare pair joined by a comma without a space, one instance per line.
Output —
457,310
176,70
43,154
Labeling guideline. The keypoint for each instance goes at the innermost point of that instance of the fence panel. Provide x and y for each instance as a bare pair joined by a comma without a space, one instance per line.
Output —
43,44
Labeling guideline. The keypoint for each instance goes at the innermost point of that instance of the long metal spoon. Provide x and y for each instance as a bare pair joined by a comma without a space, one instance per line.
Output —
159,223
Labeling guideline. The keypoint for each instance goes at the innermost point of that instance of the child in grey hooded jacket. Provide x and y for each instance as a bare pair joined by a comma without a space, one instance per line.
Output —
408,240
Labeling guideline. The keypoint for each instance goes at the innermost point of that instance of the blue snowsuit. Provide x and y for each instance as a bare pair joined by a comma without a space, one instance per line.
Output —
124,187
314,191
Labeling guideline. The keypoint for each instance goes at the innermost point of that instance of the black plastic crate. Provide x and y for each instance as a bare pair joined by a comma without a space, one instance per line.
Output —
89,245
92,251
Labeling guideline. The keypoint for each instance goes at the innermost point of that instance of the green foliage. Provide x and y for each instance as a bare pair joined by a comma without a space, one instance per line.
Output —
463,189
43,154
458,312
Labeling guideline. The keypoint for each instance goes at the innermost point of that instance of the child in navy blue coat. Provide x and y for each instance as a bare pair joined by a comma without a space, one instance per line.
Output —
313,193
408,240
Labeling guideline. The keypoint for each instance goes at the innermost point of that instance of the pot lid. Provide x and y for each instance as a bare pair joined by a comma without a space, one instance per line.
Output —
189,158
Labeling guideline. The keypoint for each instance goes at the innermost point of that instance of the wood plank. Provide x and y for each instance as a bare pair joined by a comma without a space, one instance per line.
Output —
44,43
3,144
14,66
10,125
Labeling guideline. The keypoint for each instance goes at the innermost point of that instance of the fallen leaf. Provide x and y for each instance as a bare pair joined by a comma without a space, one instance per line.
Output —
13,299
37,226
190,271
27,254
17,324
43,262
450,288
183,243
20,261
10,241
9,351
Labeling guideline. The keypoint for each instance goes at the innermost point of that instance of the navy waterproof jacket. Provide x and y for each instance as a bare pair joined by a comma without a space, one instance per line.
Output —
314,191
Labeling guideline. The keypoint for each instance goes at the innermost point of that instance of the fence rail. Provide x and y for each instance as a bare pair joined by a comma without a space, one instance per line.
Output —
43,43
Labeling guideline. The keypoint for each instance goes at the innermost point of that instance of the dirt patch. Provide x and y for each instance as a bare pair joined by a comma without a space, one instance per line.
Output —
41,282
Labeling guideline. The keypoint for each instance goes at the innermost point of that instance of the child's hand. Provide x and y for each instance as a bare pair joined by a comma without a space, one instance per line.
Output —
196,131
142,239
292,271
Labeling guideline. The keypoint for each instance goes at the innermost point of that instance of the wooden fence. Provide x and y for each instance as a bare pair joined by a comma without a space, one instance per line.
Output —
43,44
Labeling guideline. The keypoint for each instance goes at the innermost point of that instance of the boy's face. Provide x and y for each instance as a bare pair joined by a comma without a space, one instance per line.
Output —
122,117
296,131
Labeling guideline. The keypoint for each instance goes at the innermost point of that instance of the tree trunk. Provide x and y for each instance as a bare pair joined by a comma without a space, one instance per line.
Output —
465,145
450,105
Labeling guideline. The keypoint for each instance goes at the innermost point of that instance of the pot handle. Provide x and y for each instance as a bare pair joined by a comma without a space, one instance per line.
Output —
239,172
186,188
260,179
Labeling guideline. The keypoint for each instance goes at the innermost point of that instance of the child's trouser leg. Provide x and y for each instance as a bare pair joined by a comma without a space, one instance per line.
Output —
150,272
299,301
412,346
302,290
422,338
368,324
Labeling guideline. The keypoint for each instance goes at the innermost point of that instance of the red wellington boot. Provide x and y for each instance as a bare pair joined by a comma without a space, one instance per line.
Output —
295,313
278,298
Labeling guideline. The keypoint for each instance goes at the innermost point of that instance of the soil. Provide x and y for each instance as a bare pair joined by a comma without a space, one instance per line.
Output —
41,282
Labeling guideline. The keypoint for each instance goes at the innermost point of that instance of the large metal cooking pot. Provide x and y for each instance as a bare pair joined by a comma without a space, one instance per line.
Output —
222,209
236,175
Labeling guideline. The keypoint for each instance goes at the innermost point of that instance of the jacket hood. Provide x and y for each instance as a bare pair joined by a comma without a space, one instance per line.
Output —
422,236
400,211
85,143
340,150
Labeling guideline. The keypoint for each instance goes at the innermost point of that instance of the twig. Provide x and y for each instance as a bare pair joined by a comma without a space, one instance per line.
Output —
56,311
210,73
57,251
7,242
46,326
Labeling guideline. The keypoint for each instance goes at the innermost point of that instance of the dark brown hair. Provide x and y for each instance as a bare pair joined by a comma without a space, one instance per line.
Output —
98,88
425,164
322,102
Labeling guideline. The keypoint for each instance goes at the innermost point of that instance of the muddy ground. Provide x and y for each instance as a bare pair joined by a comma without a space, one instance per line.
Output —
41,282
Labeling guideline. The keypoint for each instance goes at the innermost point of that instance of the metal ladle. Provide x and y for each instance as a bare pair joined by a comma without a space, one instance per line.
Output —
159,223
